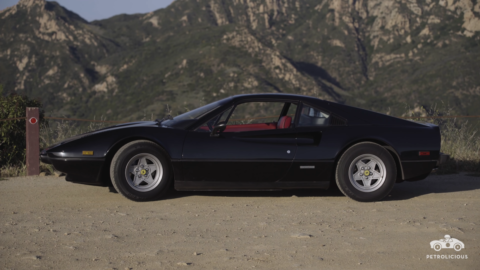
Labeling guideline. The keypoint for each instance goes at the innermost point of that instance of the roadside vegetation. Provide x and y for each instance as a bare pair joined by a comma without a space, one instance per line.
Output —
12,133
460,139
462,142
51,132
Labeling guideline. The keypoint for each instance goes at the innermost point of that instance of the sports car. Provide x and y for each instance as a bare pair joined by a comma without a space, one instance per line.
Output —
254,142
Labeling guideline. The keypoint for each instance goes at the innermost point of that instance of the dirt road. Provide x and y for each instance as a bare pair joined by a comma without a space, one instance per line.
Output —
47,223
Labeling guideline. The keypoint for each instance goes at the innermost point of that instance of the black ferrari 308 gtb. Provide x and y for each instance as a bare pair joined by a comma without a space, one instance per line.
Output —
254,142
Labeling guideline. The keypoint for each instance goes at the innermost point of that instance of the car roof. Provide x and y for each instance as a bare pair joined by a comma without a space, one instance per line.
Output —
274,96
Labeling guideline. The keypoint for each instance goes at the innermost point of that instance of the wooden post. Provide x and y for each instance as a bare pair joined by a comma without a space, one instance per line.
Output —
33,141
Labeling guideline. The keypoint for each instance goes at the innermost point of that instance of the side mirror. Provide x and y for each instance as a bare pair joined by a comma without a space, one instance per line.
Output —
218,129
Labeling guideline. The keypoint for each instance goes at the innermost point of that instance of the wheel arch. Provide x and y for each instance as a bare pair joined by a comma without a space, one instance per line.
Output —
385,145
105,172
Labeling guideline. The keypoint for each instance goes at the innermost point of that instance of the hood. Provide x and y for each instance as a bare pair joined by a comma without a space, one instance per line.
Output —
120,126
125,125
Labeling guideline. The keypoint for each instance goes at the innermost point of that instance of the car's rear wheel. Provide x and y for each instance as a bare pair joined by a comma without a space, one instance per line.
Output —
140,171
366,172
437,247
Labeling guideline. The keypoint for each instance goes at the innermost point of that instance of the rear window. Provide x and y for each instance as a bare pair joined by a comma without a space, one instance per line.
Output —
311,116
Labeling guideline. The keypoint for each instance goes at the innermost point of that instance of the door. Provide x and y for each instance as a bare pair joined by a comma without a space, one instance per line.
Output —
257,145
312,162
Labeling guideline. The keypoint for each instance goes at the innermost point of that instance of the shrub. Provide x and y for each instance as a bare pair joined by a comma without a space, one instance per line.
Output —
460,140
12,171
12,132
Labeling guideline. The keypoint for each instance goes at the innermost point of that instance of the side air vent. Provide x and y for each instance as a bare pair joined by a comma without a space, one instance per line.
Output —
336,121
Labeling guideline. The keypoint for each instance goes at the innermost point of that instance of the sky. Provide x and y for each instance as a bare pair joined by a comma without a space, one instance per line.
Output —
92,10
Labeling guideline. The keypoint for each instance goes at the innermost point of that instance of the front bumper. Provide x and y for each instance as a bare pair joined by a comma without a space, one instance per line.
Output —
78,170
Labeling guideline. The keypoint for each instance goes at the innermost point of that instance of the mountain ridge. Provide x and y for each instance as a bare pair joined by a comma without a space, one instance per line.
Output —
378,55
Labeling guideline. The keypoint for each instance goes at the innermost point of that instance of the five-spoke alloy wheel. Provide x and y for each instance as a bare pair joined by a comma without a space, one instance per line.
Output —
140,171
144,172
366,172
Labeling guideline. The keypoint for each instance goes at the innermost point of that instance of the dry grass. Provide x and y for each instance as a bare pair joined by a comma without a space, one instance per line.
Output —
12,171
460,140
21,170
55,131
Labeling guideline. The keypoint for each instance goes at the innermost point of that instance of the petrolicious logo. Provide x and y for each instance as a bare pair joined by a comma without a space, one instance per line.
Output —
447,243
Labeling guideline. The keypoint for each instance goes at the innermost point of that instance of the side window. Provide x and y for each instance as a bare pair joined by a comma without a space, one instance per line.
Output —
292,110
253,116
311,116
208,126
223,117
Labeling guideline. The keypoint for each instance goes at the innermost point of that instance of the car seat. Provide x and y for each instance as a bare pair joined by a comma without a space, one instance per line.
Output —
284,122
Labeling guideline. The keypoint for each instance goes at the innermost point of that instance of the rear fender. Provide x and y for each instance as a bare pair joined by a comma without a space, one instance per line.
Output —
388,147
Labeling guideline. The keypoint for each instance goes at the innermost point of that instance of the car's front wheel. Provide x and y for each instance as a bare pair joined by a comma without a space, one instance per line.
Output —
140,171
366,172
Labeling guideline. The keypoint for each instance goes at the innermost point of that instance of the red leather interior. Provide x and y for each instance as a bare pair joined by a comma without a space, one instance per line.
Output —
250,127
284,122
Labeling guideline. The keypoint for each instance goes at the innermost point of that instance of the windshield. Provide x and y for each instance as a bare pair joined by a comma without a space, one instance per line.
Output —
197,113
183,121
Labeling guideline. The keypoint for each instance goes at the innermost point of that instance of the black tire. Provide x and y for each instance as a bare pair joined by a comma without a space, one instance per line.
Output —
119,165
352,155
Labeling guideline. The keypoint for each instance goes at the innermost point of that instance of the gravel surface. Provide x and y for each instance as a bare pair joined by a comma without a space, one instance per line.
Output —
48,223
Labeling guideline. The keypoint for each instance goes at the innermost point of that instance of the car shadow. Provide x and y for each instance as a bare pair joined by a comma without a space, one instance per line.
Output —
434,184
331,192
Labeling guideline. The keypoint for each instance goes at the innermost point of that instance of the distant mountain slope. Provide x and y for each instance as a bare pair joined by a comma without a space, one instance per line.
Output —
380,55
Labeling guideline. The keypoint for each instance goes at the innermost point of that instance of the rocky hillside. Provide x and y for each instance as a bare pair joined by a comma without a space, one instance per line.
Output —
385,55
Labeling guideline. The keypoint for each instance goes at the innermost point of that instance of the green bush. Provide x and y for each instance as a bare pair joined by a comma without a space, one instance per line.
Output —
12,132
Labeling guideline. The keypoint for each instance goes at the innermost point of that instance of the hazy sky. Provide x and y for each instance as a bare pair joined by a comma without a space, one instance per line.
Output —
101,9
